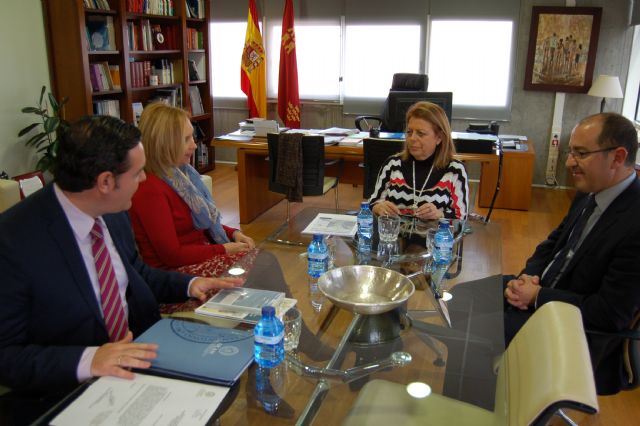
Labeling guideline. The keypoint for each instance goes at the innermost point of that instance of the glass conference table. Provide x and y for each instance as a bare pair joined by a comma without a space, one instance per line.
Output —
455,360
320,382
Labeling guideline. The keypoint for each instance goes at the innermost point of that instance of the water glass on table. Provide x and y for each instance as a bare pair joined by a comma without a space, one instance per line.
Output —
388,228
292,320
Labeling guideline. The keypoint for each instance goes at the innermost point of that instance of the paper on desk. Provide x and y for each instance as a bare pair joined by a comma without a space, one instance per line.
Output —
145,400
341,225
30,185
513,137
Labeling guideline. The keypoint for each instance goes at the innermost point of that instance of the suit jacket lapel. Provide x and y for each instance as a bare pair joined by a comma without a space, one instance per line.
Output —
62,234
610,216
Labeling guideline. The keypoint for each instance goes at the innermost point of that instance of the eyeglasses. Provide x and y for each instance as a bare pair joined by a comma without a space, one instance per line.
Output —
581,155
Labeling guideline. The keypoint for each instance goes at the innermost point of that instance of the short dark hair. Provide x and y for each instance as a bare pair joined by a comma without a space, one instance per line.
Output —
90,146
617,130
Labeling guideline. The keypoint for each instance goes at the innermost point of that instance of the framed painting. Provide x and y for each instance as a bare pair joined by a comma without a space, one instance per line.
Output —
562,48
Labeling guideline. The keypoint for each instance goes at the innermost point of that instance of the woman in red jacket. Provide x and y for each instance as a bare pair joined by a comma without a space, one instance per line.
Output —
175,220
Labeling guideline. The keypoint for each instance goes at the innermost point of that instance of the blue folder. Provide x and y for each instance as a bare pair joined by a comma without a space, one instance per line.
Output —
198,352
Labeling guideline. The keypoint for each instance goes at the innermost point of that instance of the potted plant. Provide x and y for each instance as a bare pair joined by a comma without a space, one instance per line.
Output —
49,127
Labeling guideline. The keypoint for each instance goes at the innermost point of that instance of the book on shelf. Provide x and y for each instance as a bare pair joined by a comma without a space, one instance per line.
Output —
137,112
198,352
193,71
243,316
195,8
152,7
100,33
100,77
196,101
97,4
114,71
170,95
107,107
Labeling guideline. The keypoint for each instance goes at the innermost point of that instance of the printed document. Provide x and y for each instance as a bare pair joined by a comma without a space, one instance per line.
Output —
341,225
145,400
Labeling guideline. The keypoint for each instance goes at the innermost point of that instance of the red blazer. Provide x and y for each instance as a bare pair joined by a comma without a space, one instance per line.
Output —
164,229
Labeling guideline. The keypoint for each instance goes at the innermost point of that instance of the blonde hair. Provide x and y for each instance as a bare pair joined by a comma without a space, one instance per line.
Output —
435,115
162,127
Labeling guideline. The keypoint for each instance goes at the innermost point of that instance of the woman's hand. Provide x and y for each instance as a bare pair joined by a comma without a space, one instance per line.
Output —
233,248
428,211
201,286
239,237
386,208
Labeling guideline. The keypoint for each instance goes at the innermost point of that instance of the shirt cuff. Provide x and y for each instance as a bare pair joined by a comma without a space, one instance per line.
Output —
83,372
189,286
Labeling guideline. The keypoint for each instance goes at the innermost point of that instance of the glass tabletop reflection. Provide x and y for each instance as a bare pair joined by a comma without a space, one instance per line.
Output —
450,345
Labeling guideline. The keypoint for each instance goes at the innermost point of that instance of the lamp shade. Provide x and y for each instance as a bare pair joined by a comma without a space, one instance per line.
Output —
606,86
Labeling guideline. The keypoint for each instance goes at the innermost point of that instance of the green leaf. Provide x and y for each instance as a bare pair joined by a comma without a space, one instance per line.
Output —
54,103
44,164
30,110
27,129
44,89
50,124
35,140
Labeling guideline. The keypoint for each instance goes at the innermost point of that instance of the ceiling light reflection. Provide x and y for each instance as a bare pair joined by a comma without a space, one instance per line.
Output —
418,390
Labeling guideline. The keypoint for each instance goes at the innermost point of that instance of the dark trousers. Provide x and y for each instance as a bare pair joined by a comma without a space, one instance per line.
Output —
514,318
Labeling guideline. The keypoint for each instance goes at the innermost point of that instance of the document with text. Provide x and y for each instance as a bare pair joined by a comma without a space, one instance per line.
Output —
145,400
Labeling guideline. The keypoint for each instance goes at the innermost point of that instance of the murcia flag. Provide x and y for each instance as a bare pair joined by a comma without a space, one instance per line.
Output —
253,75
288,95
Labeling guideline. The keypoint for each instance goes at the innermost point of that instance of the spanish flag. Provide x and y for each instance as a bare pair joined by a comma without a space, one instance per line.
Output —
288,95
253,77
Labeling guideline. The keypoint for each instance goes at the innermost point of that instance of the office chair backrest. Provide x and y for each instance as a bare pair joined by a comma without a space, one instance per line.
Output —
409,82
631,355
376,152
546,367
312,165
402,82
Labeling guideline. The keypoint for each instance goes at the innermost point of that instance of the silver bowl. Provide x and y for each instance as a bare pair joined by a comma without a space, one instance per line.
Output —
365,289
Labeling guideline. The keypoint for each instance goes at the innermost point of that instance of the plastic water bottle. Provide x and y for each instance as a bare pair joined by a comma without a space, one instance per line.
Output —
318,263
365,228
270,382
269,339
443,245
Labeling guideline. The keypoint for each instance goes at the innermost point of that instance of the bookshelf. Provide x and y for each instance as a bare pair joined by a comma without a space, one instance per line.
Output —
149,52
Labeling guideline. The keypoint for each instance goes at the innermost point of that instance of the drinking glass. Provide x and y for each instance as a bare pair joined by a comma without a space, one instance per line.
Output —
431,235
388,228
292,321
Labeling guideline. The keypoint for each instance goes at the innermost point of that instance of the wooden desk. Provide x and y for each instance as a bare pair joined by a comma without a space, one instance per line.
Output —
254,197
517,177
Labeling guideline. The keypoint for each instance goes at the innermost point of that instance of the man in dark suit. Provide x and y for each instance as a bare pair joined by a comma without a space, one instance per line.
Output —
592,259
66,312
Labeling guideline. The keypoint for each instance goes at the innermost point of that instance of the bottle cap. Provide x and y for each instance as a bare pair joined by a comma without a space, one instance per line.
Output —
268,310
364,204
442,222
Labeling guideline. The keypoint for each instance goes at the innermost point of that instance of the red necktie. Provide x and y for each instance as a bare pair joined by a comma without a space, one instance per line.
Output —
112,309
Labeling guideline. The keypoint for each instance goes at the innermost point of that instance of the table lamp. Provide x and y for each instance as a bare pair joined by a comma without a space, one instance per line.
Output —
606,86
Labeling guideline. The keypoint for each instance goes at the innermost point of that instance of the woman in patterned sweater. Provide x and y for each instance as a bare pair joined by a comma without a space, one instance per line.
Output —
423,180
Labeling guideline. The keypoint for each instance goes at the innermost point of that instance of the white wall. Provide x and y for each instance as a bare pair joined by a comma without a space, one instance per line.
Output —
23,71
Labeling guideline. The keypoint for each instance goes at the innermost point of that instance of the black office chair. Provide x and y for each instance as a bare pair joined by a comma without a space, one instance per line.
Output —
314,182
376,152
402,82
630,351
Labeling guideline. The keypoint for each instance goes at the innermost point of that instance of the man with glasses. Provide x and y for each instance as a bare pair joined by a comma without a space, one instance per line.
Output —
592,259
